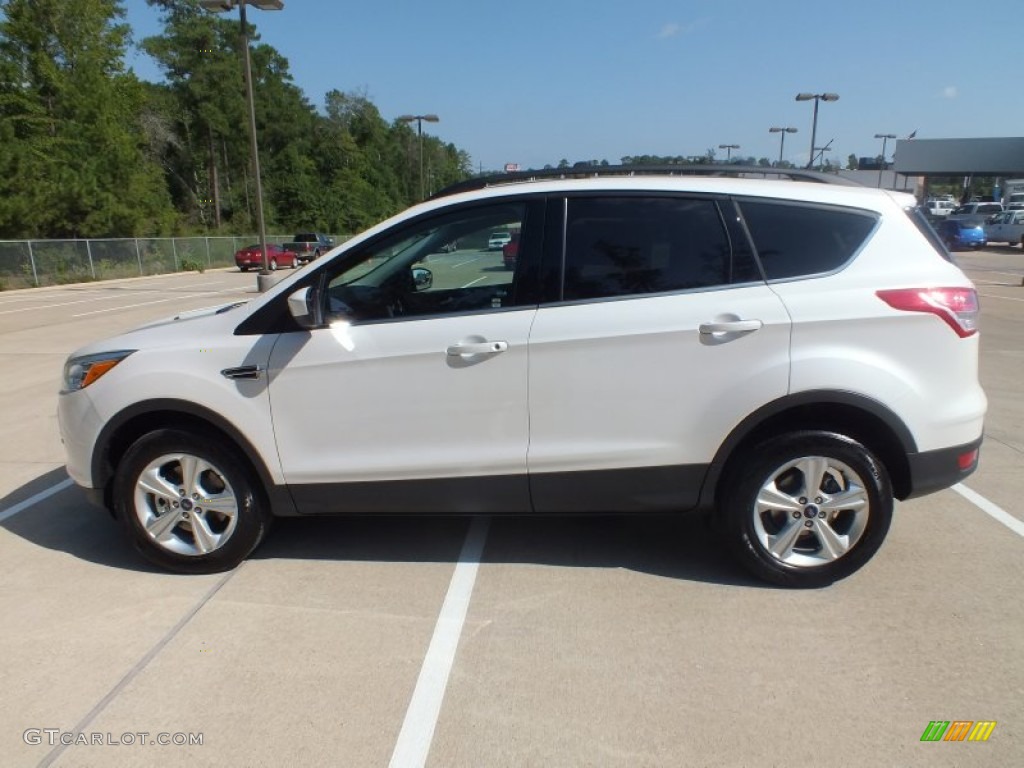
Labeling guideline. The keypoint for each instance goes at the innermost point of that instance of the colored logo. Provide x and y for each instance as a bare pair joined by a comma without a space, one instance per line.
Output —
958,730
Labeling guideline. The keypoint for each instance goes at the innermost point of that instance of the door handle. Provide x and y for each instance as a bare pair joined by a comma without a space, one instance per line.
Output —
477,348
730,326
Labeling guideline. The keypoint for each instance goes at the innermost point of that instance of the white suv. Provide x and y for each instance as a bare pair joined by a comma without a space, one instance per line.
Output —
786,357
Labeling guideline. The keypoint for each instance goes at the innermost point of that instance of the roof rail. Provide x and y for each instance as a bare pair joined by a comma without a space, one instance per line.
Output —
597,171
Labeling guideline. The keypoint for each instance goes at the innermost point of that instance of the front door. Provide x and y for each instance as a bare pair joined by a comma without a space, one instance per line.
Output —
413,397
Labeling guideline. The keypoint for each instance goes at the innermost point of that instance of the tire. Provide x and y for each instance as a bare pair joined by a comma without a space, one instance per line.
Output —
273,265
243,269
163,510
800,532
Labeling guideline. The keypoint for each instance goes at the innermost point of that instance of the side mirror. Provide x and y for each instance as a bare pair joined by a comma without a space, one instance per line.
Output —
422,278
300,307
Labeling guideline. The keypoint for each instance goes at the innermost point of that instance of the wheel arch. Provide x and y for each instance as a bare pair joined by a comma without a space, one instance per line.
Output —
128,425
861,418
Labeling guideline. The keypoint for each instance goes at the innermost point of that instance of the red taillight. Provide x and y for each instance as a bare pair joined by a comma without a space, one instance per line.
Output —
967,460
958,307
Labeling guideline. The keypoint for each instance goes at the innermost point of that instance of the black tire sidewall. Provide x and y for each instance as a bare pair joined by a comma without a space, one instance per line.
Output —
752,471
253,517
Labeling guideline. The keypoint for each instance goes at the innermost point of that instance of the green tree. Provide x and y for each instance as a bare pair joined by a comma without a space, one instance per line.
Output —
73,157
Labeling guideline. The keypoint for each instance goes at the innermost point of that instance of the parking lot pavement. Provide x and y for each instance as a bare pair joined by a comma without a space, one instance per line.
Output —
605,642
40,327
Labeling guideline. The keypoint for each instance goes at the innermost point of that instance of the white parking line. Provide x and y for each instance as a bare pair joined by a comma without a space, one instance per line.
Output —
158,301
108,297
421,717
474,282
990,509
464,263
21,506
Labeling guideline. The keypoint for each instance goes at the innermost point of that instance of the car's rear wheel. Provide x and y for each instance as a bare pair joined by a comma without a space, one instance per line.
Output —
273,265
188,504
243,269
806,508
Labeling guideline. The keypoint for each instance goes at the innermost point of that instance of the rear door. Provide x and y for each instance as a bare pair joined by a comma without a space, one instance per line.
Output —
659,336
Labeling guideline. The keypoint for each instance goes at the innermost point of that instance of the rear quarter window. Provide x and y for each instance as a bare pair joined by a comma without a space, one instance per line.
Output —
794,240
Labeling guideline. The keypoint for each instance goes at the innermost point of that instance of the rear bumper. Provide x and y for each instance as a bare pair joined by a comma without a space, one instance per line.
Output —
934,470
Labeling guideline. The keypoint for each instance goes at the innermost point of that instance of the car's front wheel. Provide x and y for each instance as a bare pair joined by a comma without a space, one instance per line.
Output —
806,508
187,503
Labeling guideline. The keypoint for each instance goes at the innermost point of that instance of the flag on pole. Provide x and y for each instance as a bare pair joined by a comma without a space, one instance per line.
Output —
912,134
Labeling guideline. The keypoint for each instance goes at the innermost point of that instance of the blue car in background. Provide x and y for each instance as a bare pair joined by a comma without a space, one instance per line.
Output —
962,234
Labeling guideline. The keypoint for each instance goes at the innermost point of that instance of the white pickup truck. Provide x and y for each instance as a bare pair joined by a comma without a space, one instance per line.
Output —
1013,194
1006,227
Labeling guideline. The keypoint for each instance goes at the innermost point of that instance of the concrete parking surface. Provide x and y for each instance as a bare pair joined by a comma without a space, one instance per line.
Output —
508,642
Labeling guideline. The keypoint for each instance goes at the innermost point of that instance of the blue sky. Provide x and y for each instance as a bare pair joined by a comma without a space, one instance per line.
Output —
535,81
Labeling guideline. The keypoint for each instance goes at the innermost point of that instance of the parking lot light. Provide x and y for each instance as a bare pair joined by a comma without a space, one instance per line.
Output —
782,138
814,124
884,137
221,6
728,150
419,130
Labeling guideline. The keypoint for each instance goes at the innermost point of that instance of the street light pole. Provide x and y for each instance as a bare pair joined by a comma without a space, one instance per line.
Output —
419,130
782,138
220,6
814,124
728,150
884,137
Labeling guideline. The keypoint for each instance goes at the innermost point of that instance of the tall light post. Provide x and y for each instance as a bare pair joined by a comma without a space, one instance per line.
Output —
728,150
814,125
221,6
782,138
419,130
884,137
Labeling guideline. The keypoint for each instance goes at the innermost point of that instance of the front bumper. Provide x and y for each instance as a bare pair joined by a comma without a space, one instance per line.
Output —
80,425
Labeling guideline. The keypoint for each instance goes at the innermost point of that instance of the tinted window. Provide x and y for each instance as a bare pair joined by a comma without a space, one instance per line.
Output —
635,245
794,240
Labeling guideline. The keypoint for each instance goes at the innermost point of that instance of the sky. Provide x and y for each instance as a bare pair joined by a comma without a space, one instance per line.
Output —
535,81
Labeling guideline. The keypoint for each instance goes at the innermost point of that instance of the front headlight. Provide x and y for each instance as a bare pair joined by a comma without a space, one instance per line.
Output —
80,372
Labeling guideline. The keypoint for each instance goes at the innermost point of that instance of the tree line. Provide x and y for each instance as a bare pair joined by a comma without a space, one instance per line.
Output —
87,149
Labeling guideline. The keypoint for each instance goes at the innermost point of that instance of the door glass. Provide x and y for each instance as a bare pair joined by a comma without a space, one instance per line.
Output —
639,245
458,262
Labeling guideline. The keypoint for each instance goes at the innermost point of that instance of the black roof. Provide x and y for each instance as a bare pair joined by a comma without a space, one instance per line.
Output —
597,171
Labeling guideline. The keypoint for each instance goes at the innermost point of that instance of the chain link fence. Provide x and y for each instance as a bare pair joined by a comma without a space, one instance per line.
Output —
32,263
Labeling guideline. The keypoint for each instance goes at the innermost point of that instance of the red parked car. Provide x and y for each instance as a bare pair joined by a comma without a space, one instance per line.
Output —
510,250
251,257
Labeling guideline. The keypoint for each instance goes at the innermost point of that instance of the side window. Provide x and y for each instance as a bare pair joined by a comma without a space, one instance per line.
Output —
793,240
635,245
456,262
